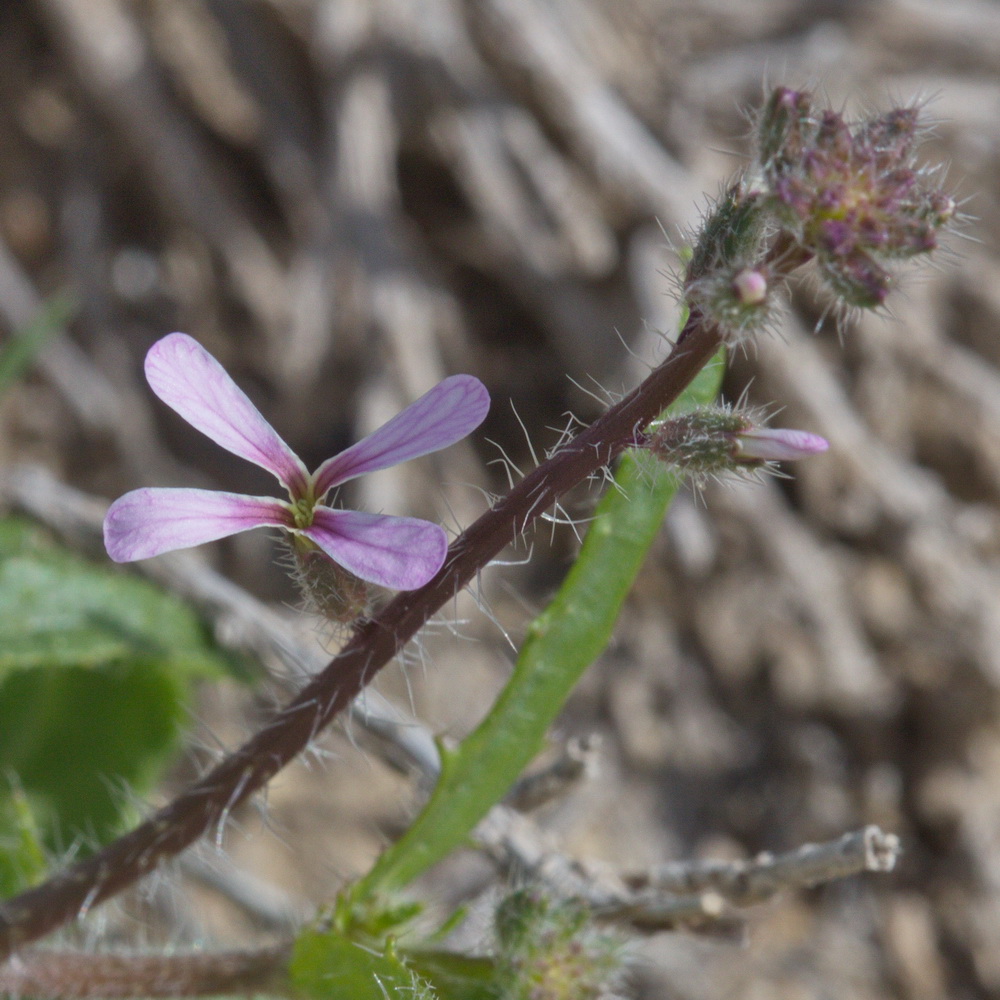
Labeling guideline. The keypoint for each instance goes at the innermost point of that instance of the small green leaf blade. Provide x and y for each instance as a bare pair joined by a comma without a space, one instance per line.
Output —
58,610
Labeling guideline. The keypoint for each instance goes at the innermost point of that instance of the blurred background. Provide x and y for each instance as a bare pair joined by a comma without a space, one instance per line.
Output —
347,200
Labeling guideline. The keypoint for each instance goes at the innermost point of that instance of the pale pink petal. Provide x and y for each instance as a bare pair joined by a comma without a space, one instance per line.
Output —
439,418
775,444
401,553
189,380
147,522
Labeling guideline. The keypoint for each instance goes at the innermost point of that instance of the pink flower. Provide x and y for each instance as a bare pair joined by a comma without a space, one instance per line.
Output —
401,553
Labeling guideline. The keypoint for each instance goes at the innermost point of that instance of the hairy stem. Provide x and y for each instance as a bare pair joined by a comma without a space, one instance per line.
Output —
207,803
66,974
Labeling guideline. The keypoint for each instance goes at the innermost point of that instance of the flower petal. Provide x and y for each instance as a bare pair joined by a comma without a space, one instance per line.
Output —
401,553
440,417
777,444
147,522
189,380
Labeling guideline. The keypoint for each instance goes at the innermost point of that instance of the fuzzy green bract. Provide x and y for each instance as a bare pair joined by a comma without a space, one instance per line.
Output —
561,643
95,671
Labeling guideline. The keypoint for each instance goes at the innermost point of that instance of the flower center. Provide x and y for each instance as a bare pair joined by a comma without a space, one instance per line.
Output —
302,512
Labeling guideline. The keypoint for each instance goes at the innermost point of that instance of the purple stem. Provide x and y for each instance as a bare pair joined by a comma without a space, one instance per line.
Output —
206,804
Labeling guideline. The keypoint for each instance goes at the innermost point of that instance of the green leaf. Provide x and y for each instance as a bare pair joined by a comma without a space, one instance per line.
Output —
87,739
461,977
561,643
328,966
335,963
57,610
95,670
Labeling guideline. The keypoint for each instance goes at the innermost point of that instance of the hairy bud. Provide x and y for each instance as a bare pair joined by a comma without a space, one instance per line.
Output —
710,440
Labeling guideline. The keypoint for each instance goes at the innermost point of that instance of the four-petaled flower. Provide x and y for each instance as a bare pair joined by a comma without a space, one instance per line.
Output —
401,553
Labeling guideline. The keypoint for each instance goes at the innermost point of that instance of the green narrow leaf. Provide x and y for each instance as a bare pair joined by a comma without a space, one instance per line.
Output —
561,643
453,976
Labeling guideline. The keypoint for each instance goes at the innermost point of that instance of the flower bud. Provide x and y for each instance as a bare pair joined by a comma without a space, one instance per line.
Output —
736,298
732,233
750,286
713,439
780,120
776,444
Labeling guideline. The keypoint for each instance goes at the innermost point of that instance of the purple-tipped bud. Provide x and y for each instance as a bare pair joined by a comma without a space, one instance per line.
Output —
857,279
781,120
776,444
714,439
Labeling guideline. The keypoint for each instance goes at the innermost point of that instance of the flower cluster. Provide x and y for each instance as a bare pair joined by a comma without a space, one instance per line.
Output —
852,194
401,553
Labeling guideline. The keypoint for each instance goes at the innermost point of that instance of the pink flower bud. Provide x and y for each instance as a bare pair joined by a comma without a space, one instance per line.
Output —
710,440
750,287
776,444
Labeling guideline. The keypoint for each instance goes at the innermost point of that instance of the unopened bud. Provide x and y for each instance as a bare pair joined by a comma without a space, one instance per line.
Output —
711,440
750,287
857,278
731,234
777,444
737,299
780,119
